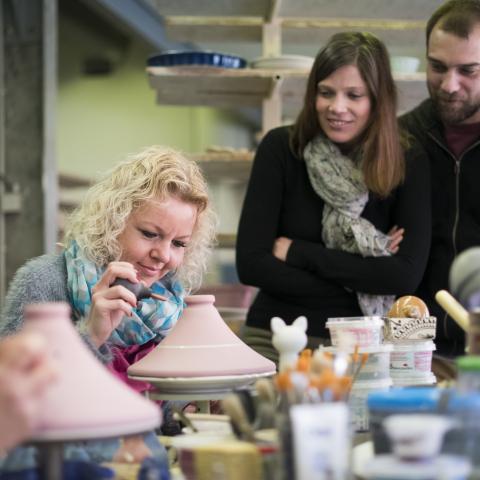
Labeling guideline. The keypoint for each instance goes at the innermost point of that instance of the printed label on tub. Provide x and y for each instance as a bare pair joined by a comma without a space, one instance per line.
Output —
358,409
364,337
411,361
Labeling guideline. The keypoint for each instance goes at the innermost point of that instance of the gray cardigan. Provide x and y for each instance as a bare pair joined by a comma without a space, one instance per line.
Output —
42,279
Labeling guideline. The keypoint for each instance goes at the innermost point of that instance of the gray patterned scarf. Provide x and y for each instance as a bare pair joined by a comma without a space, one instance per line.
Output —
338,180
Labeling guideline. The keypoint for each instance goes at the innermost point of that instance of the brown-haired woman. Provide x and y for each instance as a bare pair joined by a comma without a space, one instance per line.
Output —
336,220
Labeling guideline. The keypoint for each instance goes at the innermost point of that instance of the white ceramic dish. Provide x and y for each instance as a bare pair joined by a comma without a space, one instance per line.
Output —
219,424
361,455
219,384
283,61
403,64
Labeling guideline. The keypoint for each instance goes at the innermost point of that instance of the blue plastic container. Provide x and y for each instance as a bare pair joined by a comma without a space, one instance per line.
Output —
398,401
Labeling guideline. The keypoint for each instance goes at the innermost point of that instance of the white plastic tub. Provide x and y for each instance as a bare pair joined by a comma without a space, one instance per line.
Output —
411,359
361,331
357,401
412,381
377,366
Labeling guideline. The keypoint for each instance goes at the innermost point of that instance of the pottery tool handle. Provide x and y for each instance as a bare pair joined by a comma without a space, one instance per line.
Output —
157,296
139,289
453,308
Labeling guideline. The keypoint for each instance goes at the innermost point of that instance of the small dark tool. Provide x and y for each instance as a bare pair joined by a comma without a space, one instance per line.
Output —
139,289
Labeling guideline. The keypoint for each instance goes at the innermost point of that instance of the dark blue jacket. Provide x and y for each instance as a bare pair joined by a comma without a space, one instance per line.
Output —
455,214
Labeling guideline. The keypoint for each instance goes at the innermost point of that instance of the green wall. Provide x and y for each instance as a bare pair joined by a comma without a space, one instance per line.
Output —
101,118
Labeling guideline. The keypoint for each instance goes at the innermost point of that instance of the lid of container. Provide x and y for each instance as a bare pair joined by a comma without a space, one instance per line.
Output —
469,363
378,383
382,348
375,320
446,467
427,378
464,402
414,346
405,399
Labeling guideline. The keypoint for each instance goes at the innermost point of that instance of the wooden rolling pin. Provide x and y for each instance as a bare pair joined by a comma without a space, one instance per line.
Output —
453,308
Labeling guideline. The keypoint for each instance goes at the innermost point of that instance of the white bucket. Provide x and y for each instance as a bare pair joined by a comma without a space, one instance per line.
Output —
410,359
357,401
377,366
361,331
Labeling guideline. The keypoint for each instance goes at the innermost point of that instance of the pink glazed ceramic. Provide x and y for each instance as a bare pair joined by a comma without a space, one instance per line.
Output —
86,402
201,345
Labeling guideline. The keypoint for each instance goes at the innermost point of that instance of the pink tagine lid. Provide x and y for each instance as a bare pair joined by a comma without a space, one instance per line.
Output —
86,401
201,345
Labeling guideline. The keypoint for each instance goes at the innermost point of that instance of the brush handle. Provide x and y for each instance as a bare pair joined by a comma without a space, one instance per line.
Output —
139,289
453,308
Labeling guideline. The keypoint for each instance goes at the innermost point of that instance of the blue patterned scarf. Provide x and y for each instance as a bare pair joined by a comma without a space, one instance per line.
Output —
151,319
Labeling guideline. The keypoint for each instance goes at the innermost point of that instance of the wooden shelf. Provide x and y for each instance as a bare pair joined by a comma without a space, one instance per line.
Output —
302,21
220,86
413,10
69,180
226,240
240,87
221,166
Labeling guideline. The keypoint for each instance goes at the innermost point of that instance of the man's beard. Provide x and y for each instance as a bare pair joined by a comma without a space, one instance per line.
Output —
456,112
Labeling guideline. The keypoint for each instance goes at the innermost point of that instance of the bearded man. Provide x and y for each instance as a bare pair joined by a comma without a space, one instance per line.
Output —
448,126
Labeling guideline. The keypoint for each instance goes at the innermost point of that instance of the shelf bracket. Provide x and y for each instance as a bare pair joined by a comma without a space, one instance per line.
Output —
272,31
272,106
272,14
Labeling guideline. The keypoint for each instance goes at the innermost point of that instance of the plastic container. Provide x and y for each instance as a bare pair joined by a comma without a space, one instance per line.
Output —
444,467
377,367
415,381
361,331
358,401
418,436
410,359
395,401
468,379
398,329
464,438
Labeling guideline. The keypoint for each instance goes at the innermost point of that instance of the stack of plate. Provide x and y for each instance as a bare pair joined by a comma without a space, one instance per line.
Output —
300,62
204,58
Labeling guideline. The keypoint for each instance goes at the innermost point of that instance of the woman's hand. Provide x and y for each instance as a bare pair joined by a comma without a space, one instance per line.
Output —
133,449
280,248
110,304
396,236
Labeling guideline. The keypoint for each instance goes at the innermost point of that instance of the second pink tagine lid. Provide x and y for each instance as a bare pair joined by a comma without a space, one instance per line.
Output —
86,401
201,345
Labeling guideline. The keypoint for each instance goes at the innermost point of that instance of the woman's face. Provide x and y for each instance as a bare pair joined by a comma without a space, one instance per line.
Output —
343,106
155,237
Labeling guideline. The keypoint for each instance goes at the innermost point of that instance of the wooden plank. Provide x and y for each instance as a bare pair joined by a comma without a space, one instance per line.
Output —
396,9
230,8
233,166
219,87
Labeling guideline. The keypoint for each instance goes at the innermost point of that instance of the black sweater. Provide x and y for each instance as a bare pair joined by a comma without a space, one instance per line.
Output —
315,281
455,215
